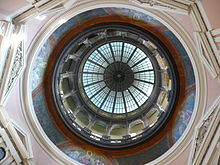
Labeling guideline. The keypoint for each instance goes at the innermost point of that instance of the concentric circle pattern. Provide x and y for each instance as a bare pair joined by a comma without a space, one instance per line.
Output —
67,116
114,85
118,77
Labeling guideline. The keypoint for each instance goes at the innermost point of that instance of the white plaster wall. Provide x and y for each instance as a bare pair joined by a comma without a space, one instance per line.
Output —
186,22
14,109
33,27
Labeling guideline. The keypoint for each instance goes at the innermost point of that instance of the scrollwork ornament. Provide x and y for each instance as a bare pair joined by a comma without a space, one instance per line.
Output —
152,3
17,66
202,131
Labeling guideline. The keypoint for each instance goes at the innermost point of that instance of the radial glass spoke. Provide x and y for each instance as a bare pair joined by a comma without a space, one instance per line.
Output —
117,48
138,62
106,96
93,83
96,64
140,96
140,90
130,103
128,49
133,98
113,108
122,51
144,65
98,58
132,55
124,102
141,71
144,81
97,92
91,78
105,49
109,102
103,56
112,52
93,73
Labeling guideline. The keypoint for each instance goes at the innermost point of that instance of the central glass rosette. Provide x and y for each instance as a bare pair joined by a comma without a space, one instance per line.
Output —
118,77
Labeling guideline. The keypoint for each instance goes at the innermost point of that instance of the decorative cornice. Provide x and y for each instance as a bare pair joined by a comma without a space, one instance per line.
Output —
166,5
206,46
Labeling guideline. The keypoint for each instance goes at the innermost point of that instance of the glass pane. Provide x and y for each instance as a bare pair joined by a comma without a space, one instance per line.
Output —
94,77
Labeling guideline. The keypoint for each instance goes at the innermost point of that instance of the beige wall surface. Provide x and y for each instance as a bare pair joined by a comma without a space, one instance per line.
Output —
14,109
212,9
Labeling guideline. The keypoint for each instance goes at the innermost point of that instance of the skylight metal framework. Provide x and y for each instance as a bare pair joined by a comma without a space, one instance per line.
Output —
118,77
121,79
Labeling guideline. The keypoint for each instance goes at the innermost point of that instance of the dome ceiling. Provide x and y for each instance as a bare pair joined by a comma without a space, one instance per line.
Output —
107,84
113,85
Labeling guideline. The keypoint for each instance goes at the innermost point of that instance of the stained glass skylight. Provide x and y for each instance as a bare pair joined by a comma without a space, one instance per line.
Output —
118,77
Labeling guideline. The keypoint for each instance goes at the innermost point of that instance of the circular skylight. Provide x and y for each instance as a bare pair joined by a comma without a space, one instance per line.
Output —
114,85
118,77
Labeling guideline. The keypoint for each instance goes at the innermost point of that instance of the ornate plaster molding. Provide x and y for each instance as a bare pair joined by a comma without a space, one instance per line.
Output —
166,5
11,157
12,59
205,132
17,66
213,152
206,44
15,141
